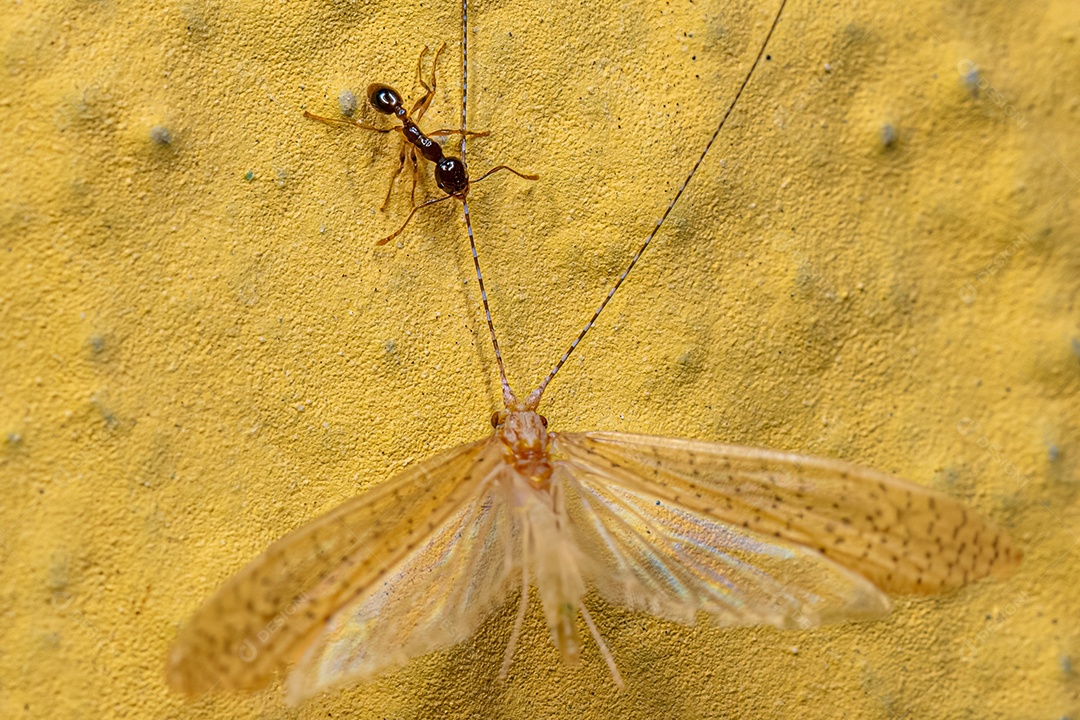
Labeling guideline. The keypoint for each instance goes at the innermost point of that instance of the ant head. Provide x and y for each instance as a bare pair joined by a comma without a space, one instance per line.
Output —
384,98
451,176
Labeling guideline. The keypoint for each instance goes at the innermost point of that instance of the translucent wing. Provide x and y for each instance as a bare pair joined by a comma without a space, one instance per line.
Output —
436,597
671,562
279,604
753,535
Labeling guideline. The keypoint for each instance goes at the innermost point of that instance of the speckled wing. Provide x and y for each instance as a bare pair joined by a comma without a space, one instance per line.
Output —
755,535
274,609
436,597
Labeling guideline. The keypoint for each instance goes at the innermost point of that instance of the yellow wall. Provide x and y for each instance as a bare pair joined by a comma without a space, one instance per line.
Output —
192,363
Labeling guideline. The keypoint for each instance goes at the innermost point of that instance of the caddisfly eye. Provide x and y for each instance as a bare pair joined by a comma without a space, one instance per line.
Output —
495,419
543,421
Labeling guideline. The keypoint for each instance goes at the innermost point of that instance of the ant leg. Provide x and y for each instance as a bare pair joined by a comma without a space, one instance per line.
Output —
415,175
422,104
420,68
397,171
428,91
446,132
497,168
348,122
397,232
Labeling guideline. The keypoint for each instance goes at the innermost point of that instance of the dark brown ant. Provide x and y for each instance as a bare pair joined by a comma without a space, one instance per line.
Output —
451,175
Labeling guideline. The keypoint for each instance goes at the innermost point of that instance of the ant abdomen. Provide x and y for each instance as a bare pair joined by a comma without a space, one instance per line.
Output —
452,176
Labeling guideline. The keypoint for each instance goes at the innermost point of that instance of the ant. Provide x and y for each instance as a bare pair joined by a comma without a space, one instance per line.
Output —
451,175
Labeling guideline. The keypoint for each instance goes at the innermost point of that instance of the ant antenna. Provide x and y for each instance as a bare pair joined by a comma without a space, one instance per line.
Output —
533,399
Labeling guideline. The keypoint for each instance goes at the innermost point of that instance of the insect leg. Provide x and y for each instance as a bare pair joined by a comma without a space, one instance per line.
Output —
405,147
446,132
497,168
608,658
401,229
523,605
422,104
348,122
415,175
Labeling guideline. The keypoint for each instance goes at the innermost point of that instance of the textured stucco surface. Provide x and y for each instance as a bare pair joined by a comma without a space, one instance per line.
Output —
878,262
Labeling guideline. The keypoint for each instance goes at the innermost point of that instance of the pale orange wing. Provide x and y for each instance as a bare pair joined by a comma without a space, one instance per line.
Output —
664,559
269,613
435,597
902,537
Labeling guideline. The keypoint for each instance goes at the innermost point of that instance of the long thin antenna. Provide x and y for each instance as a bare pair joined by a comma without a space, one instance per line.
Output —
509,400
464,72
533,399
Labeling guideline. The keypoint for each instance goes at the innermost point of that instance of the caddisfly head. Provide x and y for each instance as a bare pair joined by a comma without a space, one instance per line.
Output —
524,433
